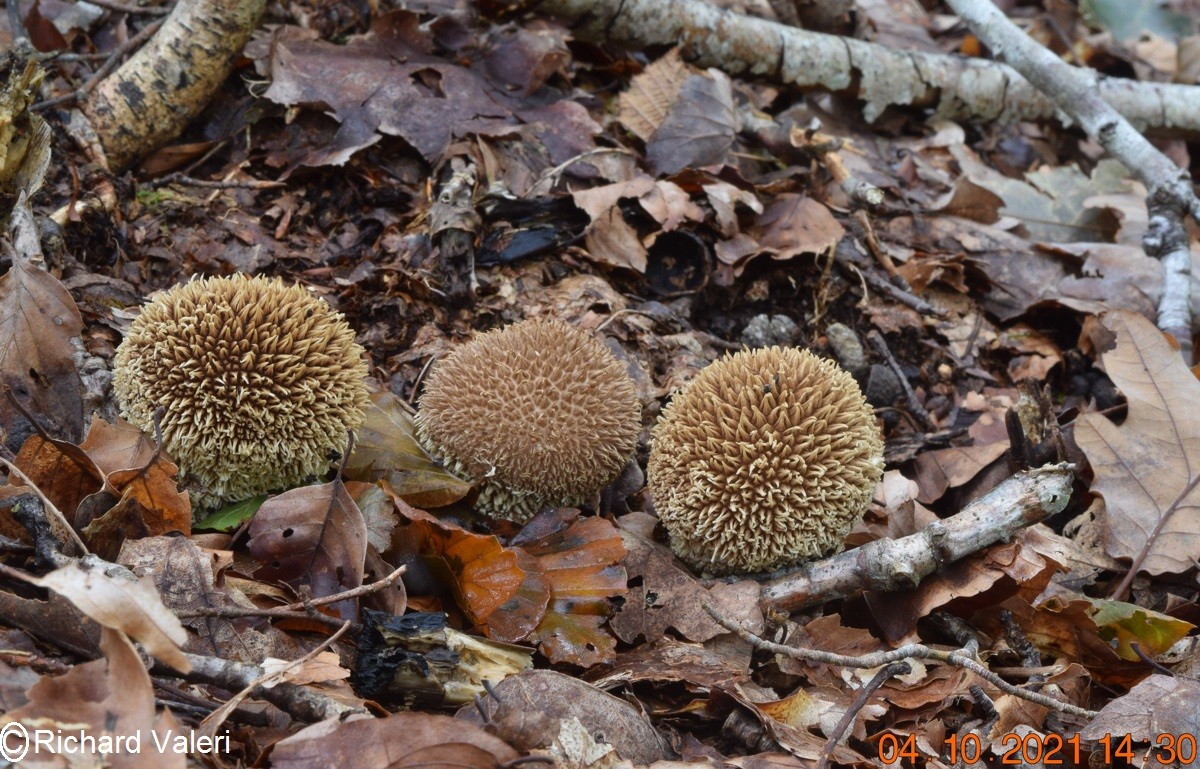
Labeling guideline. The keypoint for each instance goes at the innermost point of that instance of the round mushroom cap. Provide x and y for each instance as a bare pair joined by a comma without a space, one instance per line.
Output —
259,382
767,459
540,412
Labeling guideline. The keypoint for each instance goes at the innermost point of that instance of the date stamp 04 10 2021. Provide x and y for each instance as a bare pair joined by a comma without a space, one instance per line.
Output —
1045,749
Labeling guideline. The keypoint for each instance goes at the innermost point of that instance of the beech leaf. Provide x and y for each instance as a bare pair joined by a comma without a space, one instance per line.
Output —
314,535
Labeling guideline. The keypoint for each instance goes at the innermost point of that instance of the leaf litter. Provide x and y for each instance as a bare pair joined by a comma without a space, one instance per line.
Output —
678,213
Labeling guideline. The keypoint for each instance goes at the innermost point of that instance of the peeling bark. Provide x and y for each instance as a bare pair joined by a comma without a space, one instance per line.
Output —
953,87
153,96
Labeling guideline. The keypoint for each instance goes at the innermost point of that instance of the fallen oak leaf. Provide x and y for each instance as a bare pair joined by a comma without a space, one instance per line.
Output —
1147,469
581,564
484,576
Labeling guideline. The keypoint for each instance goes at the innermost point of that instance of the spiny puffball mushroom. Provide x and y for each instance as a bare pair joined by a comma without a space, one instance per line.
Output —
541,412
765,460
260,382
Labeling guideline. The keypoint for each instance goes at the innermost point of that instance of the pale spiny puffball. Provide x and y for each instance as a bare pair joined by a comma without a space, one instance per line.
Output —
767,459
260,382
539,412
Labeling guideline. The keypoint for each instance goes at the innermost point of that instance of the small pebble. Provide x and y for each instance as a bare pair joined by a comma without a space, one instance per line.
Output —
883,388
848,349
769,330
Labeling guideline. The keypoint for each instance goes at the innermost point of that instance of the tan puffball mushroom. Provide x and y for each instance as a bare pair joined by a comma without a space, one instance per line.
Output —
767,459
540,412
260,382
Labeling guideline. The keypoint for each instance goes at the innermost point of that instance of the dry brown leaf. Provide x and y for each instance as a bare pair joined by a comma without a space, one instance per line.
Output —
1147,469
116,446
313,535
1160,706
644,105
581,564
943,469
150,504
122,604
561,698
488,580
111,696
699,127
61,471
982,579
38,318
670,597
184,576
400,741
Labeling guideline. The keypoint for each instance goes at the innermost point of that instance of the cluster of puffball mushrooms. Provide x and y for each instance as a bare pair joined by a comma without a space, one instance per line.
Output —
767,459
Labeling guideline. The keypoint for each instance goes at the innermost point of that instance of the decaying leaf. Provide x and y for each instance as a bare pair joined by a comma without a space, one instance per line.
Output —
400,741
483,574
581,564
644,105
1159,707
38,318
61,471
1148,468
386,448
670,597
313,536
1122,624
560,698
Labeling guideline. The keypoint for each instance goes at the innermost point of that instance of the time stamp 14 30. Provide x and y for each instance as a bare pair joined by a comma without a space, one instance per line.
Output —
1014,749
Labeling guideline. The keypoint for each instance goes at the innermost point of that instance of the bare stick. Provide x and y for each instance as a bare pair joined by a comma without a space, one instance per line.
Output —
301,702
954,87
914,405
960,658
109,65
895,564
1077,93
860,701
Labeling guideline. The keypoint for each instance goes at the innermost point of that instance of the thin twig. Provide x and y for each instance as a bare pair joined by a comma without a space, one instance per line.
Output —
216,184
1137,649
909,651
294,610
914,405
864,693
15,24
1170,199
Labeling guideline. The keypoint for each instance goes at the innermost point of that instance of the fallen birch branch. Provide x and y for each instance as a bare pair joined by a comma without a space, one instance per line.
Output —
154,95
901,564
956,88
1170,199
